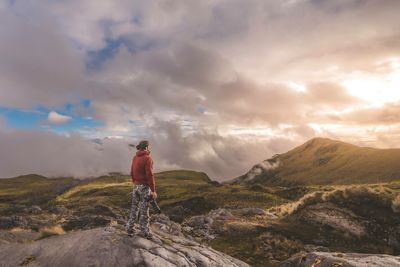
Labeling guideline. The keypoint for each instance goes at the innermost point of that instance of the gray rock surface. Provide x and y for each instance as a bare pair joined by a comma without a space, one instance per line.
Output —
13,221
110,246
336,217
205,227
326,259
33,209
251,212
59,209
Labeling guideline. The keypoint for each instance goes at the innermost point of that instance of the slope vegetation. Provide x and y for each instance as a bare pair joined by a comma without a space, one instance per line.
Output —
31,189
324,161
182,193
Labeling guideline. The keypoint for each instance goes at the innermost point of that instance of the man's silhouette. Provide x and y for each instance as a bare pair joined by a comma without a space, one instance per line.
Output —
143,191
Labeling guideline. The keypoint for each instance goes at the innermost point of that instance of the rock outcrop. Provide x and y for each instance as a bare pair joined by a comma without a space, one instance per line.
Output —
110,246
324,259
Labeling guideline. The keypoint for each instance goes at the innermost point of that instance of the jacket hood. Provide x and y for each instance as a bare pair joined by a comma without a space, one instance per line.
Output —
141,153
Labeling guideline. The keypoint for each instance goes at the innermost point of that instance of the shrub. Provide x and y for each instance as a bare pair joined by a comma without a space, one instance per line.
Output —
396,204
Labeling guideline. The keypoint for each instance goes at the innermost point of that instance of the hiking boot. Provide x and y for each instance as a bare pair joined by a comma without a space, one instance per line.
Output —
131,232
147,235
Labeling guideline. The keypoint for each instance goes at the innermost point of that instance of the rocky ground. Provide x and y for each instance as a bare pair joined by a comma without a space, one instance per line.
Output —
110,246
262,229
324,259
174,245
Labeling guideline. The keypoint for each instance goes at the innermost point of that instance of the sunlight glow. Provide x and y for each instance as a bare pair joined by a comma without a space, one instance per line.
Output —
377,90
298,87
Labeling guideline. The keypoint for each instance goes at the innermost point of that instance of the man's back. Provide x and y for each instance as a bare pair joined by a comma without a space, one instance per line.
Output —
141,170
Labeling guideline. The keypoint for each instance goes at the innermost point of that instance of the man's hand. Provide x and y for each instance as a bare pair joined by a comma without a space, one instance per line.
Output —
154,195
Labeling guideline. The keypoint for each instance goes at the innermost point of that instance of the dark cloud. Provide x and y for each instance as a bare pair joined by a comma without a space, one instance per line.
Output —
338,5
39,65
183,78
386,115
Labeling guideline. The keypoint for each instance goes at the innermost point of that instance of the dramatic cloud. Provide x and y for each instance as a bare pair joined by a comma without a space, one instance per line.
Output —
39,65
55,155
56,118
221,158
216,85
385,115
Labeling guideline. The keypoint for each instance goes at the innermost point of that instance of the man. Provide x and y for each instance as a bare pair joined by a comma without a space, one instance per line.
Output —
144,190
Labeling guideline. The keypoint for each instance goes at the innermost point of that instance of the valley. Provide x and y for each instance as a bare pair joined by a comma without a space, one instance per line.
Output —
256,221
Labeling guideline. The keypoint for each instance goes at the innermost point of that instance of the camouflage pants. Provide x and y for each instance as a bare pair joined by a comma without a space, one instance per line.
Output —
140,206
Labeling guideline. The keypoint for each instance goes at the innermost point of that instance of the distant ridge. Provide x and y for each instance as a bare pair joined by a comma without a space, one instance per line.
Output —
324,161
28,177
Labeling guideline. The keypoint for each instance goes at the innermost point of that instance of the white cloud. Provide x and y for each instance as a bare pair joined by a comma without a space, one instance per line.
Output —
57,118
221,157
56,155
39,65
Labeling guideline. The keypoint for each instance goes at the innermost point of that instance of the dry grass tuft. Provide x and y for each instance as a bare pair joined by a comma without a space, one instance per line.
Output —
51,231
396,204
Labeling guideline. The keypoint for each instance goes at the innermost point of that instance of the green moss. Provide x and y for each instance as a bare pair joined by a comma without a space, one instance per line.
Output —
175,188
32,189
258,248
4,206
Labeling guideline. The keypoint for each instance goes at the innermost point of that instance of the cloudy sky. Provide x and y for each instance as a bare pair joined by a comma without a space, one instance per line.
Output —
215,85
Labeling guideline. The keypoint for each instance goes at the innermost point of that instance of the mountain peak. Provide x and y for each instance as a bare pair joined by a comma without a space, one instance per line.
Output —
30,177
322,141
327,161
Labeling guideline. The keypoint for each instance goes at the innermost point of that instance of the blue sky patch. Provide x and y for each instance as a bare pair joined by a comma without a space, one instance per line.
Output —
36,118
134,43
23,118
97,57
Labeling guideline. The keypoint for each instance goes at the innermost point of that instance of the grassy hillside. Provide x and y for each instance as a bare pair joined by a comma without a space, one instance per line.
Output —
341,218
325,161
31,190
181,193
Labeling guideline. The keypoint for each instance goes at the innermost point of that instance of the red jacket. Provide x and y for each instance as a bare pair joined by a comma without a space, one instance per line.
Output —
142,169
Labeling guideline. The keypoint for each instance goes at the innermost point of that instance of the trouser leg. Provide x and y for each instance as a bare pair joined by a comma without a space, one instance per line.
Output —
144,219
134,208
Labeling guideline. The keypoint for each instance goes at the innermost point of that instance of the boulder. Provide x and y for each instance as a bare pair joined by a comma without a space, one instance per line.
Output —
335,217
59,209
163,223
251,212
35,209
104,210
111,246
6,222
199,227
13,221
221,214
